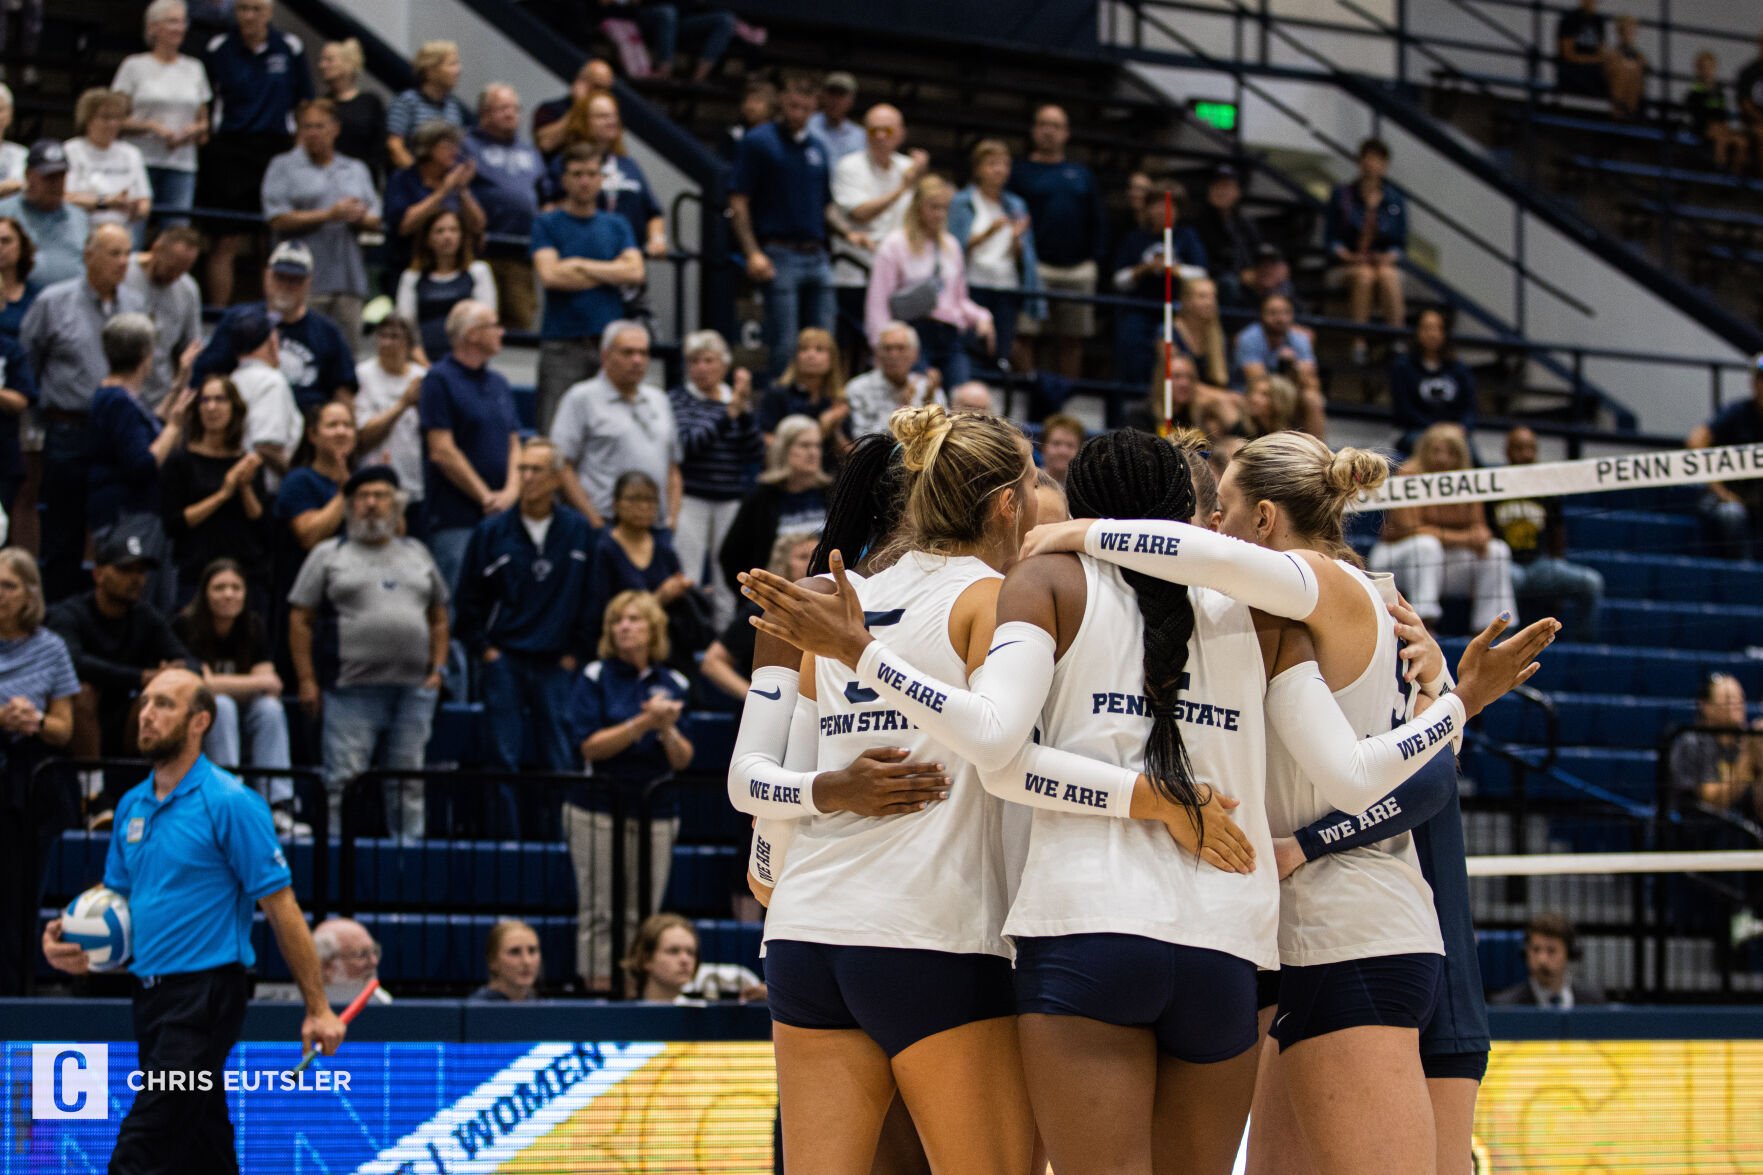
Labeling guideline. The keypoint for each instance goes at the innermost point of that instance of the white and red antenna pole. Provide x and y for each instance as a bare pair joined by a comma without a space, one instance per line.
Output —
1168,313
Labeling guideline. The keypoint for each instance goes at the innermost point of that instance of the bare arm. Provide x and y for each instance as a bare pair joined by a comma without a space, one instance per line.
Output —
312,527
300,650
719,669
57,725
437,645
578,499
263,679
321,1027
444,452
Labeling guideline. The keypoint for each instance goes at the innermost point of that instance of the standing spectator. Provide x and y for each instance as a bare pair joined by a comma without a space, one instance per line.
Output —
385,407
389,606
360,113
232,643
436,67
1536,534
1748,86
63,335
728,662
443,273
1138,273
58,229
1710,117
259,75
18,392
169,94
993,227
719,442
832,122
310,506
634,554
779,200
1732,515
1445,550
1627,70
758,107
511,959
161,277
1199,332
526,613
18,259
1549,954
1277,346
272,421
615,423
38,683
872,187
324,200
1367,234
1428,384
892,383
624,189
549,118
920,269
192,886
212,492
471,436
1061,437
311,349
1720,768
1065,207
12,155
624,712
438,179
105,174
789,499
1582,61
581,257
812,385
506,185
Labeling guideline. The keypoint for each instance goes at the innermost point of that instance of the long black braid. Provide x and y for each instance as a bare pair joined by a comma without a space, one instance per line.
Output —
863,507
1128,474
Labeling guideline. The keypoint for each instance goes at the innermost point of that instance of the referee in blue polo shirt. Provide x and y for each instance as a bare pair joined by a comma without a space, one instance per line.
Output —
193,849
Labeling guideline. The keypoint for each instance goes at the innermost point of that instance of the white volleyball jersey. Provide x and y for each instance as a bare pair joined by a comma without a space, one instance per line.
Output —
1363,902
1094,874
928,880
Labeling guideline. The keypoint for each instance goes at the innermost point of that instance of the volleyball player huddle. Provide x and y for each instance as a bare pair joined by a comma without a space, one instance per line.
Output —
1025,797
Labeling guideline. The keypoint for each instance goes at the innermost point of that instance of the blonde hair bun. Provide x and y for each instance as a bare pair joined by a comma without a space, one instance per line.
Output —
1357,470
921,432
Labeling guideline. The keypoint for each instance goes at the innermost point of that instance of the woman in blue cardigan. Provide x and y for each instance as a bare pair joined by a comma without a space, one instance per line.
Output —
993,227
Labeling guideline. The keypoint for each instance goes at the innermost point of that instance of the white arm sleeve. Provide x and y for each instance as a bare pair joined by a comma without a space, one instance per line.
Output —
1353,773
1276,582
772,835
1062,781
759,783
987,721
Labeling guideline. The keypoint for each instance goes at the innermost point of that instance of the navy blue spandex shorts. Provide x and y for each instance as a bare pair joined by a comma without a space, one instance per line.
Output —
1396,990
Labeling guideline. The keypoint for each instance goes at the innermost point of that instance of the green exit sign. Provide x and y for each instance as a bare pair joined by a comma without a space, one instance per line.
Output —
1219,115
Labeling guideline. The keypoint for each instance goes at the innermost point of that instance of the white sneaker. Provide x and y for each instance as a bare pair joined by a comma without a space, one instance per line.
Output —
287,826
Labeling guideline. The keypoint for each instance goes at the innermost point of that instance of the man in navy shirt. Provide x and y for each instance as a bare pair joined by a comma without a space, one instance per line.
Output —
194,851
18,391
470,434
259,74
506,185
523,612
1065,206
1733,514
582,257
314,355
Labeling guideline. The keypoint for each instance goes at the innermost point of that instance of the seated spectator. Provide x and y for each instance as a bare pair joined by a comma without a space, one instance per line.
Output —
992,225
872,187
1723,767
662,967
615,423
1710,117
624,711
974,397
549,117
169,96
1065,206
38,684
527,613
117,643
1428,384
270,418
1138,273
325,200
1549,954
832,123
920,270
106,174
161,276
361,115
812,385
57,228
728,662
1270,405
1732,515
1232,242
1435,551
634,554
436,67
1199,332
212,493
349,957
1536,534
311,501
719,442
1191,404
385,407
509,175
893,384
444,272
1367,234
1277,346
250,729
1270,276
18,258
1061,437
12,155
624,189
389,606
439,178
789,499
511,957
758,107
1582,63
710,29
1627,70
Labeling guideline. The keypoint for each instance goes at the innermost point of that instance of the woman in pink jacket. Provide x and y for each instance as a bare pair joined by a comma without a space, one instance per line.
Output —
920,277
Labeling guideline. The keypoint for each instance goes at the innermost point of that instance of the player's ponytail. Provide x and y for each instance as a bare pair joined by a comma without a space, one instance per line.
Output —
863,507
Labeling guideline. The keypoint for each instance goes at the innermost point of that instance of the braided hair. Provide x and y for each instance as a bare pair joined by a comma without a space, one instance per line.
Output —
864,505
1129,474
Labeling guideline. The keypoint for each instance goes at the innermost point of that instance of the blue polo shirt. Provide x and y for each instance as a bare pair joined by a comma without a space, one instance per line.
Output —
609,692
1253,347
1065,205
506,184
256,90
785,180
477,407
582,314
192,867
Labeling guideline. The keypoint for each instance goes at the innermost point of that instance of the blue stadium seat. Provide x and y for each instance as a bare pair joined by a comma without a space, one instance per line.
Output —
1673,623
1501,954
1634,530
1677,577
1627,772
1629,669
1610,720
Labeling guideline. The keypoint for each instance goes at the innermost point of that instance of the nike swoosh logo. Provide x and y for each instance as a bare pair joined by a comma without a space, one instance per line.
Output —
777,692
1005,645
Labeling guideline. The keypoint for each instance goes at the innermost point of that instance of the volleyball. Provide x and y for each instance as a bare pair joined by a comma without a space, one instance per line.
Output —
98,920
